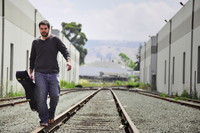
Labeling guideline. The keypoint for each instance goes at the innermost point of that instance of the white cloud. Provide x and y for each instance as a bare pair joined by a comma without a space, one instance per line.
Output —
126,21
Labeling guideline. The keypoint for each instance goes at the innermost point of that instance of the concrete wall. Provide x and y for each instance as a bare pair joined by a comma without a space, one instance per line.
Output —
163,58
1,6
38,18
181,43
18,28
196,45
18,35
154,54
148,61
153,60
1,42
142,65
21,14
177,55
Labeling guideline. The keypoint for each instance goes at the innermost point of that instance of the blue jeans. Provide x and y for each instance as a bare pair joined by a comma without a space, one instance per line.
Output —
46,84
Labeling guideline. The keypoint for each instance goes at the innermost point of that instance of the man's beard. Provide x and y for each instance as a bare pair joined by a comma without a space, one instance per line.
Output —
45,35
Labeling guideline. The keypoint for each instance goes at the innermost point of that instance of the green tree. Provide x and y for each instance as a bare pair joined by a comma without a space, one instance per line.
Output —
124,58
131,65
128,62
72,31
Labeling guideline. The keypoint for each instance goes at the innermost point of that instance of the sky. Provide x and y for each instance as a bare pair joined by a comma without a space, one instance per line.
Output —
123,20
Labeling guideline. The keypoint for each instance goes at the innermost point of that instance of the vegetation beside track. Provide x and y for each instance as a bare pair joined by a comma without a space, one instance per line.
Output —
14,94
87,83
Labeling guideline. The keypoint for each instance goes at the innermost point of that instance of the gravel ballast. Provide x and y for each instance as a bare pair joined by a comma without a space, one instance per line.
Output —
20,118
99,115
151,115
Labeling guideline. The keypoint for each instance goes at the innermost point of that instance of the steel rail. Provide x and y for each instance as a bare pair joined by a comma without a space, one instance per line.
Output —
63,90
13,103
12,98
193,105
22,97
181,98
63,117
126,120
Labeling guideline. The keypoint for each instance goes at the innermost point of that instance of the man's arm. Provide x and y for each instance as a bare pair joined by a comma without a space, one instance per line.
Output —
69,66
32,61
64,51
31,73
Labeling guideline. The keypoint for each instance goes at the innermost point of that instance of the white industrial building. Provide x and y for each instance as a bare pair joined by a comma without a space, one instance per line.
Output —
18,28
148,62
178,53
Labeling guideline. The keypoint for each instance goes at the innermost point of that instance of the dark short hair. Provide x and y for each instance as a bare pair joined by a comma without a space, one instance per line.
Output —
44,22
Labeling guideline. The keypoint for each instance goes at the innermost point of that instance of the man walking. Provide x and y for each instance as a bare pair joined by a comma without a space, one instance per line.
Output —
43,61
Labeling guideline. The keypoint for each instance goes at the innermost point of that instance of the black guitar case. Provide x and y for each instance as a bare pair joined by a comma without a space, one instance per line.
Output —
28,85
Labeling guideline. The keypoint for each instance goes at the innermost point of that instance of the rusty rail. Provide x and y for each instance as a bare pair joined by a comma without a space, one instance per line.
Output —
59,120
189,104
126,120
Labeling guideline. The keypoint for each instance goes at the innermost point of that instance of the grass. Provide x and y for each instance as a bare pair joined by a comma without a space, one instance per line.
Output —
162,95
87,83
15,94
66,85
185,94
176,98
144,86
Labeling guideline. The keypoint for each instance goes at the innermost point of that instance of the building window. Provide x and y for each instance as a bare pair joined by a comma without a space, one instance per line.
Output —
165,72
11,61
27,59
150,76
184,68
143,74
173,67
198,66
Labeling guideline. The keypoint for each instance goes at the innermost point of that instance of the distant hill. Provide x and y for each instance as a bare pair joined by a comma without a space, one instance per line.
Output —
108,50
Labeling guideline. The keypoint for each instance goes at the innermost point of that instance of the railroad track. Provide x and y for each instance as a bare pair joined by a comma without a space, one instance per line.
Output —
183,101
85,121
22,99
100,111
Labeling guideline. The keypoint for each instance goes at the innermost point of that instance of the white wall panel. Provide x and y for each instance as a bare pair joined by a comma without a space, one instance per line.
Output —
177,49
142,64
163,37
196,44
181,22
0,41
19,30
1,7
15,12
39,18
162,56
21,41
